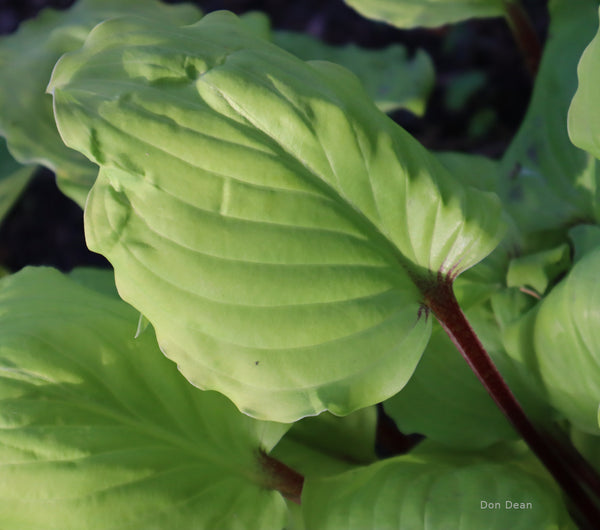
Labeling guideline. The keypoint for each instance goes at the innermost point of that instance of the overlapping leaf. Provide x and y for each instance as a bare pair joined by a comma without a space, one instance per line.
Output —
26,61
445,401
434,491
584,113
545,182
98,430
429,13
261,212
566,339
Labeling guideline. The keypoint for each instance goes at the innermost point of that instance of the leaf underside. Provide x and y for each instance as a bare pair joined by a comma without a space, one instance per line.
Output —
274,226
98,430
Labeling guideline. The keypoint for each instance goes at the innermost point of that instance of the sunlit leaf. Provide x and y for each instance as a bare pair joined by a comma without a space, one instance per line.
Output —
26,61
275,228
99,430
430,13
432,490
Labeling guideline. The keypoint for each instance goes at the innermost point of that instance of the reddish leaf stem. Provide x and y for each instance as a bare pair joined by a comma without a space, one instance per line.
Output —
440,298
282,478
524,34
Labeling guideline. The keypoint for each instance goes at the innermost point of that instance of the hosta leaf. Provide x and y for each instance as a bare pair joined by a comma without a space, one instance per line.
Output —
584,113
26,61
566,339
539,270
516,314
430,13
99,280
98,430
320,444
542,171
434,491
445,401
260,211
14,177
585,238
390,78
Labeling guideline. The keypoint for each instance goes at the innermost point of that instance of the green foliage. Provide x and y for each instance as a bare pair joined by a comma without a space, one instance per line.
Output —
430,13
542,171
389,76
566,339
282,241
98,427
336,225
584,113
26,120
433,489
13,179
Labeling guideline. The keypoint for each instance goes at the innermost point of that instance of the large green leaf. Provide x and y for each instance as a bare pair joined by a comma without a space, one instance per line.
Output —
429,13
100,431
584,113
566,341
433,490
545,182
14,177
26,61
262,213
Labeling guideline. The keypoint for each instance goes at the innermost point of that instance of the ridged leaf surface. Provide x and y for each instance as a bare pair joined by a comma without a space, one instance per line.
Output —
271,223
99,431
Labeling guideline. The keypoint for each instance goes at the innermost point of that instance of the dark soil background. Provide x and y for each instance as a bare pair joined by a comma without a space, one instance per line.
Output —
46,228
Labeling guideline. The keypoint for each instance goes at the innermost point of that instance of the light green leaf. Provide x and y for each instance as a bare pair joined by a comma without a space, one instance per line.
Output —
429,13
99,280
348,441
545,182
445,401
584,113
539,270
265,217
390,78
14,177
516,314
26,61
585,238
98,430
566,343
434,491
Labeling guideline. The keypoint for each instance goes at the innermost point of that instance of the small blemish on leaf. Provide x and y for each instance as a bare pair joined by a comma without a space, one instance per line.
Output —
256,363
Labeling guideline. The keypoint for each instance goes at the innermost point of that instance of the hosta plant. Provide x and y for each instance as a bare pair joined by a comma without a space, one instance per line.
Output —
291,268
